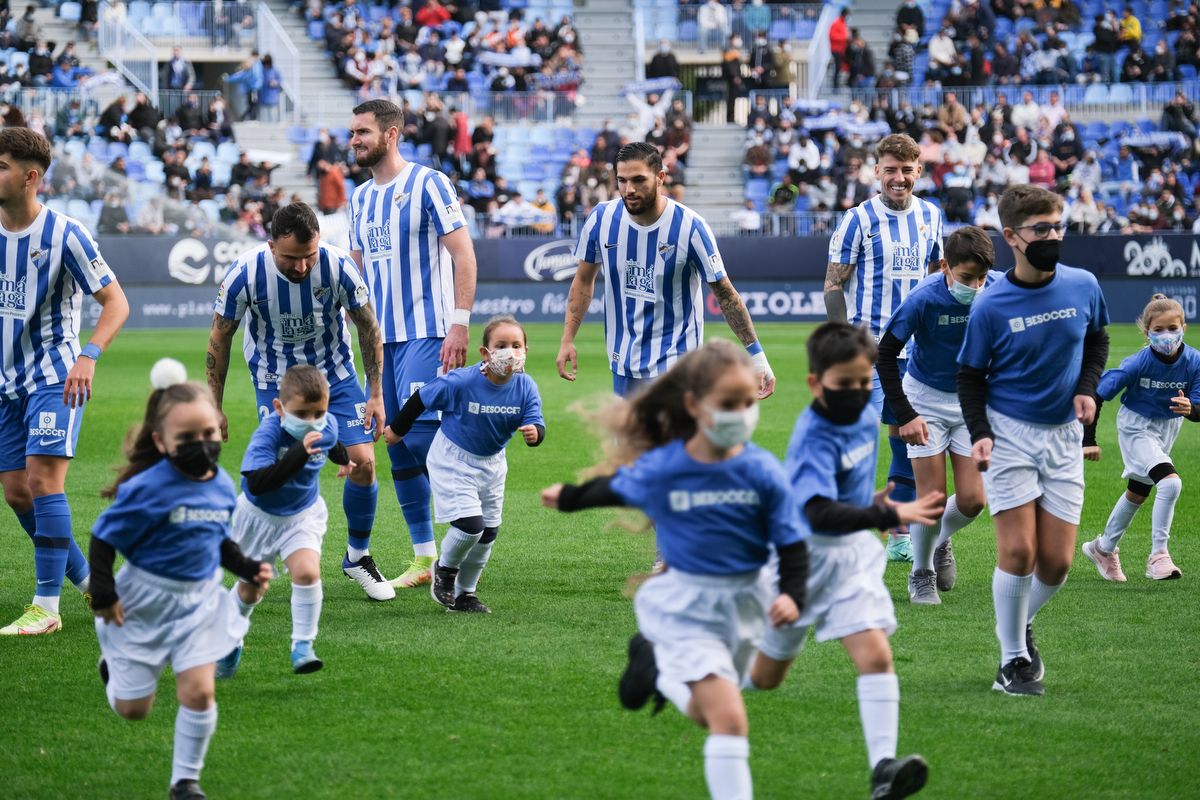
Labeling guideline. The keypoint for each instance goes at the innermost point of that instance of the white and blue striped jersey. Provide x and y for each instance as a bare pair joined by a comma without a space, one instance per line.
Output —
397,226
293,323
44,272
653,297
891,252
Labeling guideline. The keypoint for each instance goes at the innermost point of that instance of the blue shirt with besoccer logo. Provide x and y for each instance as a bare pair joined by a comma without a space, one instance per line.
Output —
480,416
267,445
712,519
167,524
836,462
1030,343
936,322
1150,383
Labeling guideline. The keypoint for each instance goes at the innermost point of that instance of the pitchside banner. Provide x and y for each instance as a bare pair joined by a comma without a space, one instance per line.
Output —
171,282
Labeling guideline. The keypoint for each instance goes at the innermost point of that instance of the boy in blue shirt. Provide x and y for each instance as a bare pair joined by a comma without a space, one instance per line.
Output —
1162,388
280,513
925,401
1032,356
482,407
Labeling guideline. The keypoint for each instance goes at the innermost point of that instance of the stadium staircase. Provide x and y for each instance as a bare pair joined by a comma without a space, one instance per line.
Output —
325,100
876,20
714,173
605,28
267,141
60,31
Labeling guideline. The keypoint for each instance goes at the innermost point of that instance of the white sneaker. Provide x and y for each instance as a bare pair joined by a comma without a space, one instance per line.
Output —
366,574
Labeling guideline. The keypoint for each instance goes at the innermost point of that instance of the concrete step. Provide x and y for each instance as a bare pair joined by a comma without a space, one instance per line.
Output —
715,195
704,175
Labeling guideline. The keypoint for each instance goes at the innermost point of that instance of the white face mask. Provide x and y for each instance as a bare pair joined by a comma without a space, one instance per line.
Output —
298,428
504,361
731,428
963,293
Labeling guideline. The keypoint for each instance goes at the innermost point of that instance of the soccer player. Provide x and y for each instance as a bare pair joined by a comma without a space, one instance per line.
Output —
925,400
170,519
482,407
1162,388
719,504
655,253
1030,362
49,263
294,289
881,249
409,236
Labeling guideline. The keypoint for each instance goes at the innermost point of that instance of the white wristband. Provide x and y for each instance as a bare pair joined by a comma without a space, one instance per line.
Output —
760,364
461,316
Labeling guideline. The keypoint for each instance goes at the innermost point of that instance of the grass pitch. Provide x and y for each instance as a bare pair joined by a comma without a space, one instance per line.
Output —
416,703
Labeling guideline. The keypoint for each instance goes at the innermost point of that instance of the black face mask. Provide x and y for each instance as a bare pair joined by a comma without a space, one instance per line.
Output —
195,459
1043,254
844,406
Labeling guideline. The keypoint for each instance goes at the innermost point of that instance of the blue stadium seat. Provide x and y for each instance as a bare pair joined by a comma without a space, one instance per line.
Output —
1120,93
211,210
138,10
1187,72
70,12
140,152
228,152
98,148
316,29
298,134
135,170
75,148
202,149
80,209
1096,94
162,10
117,150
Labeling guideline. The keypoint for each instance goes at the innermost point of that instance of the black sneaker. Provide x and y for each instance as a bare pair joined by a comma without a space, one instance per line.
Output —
468,603
1018,677
637,683
102,665
945,567
442,585
1035,658
894,778
187,790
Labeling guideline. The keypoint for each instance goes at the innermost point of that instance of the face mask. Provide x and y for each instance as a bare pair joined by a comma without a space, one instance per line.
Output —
845,406
1166,342
505,361
298,428
963,293
195,459
1043,254
731,428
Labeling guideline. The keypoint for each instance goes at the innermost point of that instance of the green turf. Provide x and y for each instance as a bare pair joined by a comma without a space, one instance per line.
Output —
414,702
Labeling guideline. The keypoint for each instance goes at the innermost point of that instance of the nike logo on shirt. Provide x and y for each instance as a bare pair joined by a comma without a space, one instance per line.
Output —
48,442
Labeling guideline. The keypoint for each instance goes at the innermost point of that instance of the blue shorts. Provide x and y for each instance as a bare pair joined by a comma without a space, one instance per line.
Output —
407,366
625,386
39,424
347,404
886,415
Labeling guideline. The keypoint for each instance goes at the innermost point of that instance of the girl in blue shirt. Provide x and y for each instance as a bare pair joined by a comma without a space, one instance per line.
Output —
170,520
719,504
1162,387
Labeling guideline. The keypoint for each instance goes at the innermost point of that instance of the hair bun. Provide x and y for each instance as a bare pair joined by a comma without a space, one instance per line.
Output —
167,372
1159,296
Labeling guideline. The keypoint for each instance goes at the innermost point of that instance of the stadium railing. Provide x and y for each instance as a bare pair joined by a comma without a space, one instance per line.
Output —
194,24
48,102
122,44
273,40
667,19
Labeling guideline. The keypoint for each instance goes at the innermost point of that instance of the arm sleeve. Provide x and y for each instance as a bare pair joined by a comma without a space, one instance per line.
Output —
829,515
235,561
441,202
339,455
269,478
703,253
403,422
351,286
83,260
1095,356
101,556
231,296
793,571
587,249
890,348
541,434
1089,431
596,493
972,396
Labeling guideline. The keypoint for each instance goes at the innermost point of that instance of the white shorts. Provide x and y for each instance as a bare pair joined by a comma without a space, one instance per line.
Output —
943,416
1035,462
1145,443
702,625
183,623
464,484
267,537
844,594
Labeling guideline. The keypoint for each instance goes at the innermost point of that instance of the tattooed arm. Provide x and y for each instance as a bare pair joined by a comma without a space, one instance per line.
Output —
370,344
738,318
216,363
579,299
836,276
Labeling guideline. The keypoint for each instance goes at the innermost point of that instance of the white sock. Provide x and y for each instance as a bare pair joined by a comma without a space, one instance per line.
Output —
306,611
193,730
1039,595
472,567
1166,493
727,767
677,692
922,545
953,521
244,608
1010,596
748,683
354,555
879,710
455,546
425,550
1118,522
85,585
897,535
48,603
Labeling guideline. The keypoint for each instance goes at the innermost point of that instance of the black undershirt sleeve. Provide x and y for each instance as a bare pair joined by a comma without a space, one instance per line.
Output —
268,479
596,493
830,516
541,435
339,455
972,396
101,556
235,561
1095,356
1195,415
888,368
403,422
793,572
1089,431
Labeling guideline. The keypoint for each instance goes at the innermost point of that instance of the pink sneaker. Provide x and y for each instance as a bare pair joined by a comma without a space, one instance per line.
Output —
1160,567
1107,564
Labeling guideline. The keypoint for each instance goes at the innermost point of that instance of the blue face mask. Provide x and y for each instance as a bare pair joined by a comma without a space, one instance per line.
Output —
298,428
1166,342
963,293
